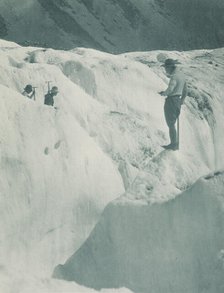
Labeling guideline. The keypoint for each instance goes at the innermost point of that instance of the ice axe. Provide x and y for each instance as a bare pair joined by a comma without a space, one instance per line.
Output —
48,85
34,92
178,132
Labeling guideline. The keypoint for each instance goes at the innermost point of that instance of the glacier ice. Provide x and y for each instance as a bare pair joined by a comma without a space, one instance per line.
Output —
175,246
59,169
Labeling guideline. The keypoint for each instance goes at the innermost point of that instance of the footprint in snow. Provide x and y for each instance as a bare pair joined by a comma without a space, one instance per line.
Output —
57,145
46,151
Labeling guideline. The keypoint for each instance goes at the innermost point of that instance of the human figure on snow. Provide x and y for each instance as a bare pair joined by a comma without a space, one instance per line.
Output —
29,91
49,97
175,93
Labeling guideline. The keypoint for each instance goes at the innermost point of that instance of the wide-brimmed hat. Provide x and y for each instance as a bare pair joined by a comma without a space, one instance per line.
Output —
170,63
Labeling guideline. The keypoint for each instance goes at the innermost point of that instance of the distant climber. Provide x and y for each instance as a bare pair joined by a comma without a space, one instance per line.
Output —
49,97
29,91
175,93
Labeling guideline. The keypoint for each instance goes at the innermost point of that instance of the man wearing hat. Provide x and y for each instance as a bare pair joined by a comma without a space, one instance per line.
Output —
29,91
49,97
175,93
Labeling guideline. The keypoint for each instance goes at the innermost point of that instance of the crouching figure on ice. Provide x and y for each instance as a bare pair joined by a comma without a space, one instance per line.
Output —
29,91
175,93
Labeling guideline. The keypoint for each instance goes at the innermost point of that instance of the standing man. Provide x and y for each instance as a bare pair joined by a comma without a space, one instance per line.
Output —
175,93
49,97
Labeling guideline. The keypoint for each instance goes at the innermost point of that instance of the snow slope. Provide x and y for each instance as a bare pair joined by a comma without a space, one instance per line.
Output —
60,168
49,168
114,25
176,246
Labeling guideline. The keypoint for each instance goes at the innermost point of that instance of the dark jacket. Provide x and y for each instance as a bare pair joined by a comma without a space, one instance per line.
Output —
49,99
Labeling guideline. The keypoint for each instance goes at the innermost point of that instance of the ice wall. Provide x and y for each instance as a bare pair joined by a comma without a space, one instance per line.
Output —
55,180
172,247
